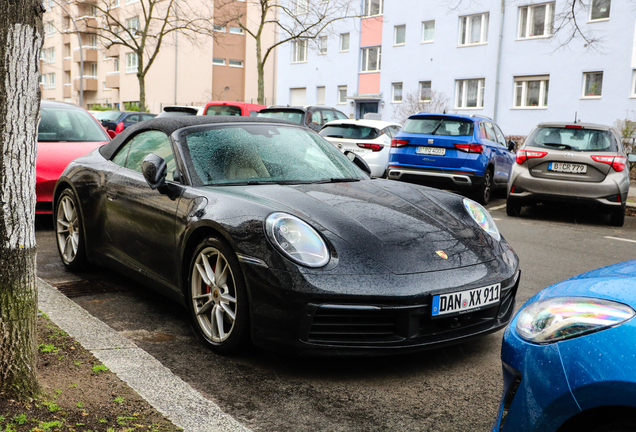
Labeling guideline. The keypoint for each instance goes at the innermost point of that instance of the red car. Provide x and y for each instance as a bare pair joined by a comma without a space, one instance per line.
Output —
232,108
65,132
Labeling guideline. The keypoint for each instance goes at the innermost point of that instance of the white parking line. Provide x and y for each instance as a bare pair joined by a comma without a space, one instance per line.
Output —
621,239
499,207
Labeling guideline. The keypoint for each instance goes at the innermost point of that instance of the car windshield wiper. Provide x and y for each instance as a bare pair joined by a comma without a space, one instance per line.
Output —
437,126
339,180
556,145
335,136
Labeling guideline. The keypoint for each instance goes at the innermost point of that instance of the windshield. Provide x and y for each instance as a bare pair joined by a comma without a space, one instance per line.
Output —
214,110
349,131
438,126
69,125
108,115
573,139
292,116
265,153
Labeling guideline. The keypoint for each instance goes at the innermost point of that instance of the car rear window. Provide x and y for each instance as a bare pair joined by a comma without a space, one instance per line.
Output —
69,125
292,116
108,115
349,131
223,110
437,126
577,139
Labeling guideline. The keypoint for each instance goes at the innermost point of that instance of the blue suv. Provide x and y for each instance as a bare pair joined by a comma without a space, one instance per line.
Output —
455,152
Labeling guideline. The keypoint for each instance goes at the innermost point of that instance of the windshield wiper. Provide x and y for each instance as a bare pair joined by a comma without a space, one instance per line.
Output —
437,126
556,145
335,136
340,180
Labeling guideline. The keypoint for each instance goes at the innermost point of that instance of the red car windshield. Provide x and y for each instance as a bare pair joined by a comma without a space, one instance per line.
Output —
69,125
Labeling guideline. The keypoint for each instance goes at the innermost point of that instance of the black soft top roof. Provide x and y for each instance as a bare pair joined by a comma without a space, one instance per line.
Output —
168,125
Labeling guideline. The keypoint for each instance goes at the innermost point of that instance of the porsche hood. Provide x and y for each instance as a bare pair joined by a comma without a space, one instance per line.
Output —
403,228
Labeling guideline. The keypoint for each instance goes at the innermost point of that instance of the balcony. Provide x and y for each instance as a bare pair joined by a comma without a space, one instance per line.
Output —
66,64
112,80
89,53
86,24
67,91
89,83
113,51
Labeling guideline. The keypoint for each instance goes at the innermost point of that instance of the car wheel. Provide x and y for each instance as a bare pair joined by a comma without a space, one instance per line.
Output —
483,192
69,231
617,217
513,207
218,298
618,426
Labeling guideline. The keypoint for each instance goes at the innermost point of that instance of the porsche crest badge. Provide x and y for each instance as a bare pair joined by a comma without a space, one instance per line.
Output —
442,254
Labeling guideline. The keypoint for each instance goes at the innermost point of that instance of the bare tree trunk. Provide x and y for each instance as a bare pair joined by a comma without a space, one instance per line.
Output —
20,43
260,65
141,77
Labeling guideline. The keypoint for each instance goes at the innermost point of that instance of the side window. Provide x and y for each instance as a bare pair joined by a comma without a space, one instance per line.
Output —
327,116
489,132
388,131
501,139
315,118
340,116
132,119
396,129
147,117
132,154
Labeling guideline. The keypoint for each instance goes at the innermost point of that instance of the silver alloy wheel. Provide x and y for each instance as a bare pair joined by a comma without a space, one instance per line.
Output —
213,295
68,235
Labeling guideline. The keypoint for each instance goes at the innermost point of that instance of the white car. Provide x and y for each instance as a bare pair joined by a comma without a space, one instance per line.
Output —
371,139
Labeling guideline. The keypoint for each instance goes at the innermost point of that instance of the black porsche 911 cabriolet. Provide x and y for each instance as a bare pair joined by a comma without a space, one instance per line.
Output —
267,233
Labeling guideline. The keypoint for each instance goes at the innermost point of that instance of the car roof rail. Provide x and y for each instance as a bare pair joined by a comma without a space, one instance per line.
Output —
482,116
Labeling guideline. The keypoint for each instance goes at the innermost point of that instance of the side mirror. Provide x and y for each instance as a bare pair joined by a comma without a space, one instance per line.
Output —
631,157
111,133
154,169
358,161
511,145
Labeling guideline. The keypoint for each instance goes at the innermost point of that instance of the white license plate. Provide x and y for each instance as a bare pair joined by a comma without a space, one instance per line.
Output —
435,151
465,301
567,167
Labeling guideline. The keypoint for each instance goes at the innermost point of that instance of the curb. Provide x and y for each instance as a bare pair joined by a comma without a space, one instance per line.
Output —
166,392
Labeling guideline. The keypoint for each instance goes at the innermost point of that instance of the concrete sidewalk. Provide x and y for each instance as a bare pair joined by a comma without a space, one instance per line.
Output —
167,393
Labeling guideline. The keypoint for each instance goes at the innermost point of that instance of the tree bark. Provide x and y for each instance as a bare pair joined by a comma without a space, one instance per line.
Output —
20,43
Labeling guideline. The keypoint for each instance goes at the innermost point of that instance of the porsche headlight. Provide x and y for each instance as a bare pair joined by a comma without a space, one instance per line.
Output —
560,318
482,217
297,240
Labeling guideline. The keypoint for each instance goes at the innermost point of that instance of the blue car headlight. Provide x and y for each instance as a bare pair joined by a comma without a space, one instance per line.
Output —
482,217
297,240
560,318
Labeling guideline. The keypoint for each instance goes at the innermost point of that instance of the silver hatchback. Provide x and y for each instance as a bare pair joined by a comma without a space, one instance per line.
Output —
580,163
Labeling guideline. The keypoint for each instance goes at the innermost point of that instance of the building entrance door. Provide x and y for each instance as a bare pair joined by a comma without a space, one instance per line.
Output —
366,107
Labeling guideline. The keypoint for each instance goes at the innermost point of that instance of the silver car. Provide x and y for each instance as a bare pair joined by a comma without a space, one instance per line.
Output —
563,162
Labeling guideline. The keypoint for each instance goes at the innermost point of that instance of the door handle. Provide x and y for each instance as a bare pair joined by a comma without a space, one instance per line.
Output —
111,196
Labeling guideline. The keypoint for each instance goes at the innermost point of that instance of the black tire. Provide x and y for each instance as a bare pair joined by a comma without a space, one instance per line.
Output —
484,190
218,306
617,217
618,426
69,231
513,207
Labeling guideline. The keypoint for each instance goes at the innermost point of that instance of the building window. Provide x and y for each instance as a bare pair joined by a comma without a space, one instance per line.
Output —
396,93
43,81
131,62
301,7
531,92
51,81
536,20
116,64
67,77
67,50
236,30
299,51
131,1
399,35
344,42
473,29
218,61
371,59
428,31
342,95
235,63
219,28
92,40
592,84
50,29
425,91
66,23
51,55
323,45
132,25
600,9
470,93
373,7
320,95
94,70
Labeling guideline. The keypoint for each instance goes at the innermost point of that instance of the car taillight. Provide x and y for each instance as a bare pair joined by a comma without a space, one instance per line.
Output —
470,148
372,147
616,162
120,127
399,143
524,155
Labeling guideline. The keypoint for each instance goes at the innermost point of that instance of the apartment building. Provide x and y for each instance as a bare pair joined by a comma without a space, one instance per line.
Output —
185,72
511,61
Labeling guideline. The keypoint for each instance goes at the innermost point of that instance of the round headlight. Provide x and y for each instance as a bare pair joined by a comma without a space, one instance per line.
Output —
482,217
560,318
297,240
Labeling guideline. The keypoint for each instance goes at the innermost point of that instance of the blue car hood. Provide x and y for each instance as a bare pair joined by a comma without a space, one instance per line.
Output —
400,226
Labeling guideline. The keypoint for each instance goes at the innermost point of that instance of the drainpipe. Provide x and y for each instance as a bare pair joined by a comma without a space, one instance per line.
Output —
79,38
501,24
176,50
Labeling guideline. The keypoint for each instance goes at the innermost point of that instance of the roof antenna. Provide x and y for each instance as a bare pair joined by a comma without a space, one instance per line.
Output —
575,112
